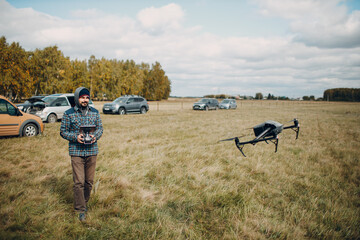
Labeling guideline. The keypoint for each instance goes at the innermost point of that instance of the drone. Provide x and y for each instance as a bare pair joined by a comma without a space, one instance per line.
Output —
266,132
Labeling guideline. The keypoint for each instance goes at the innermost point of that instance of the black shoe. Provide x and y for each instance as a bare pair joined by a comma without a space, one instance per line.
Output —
82,217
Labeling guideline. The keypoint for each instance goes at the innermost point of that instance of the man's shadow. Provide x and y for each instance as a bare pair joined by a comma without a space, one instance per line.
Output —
61,186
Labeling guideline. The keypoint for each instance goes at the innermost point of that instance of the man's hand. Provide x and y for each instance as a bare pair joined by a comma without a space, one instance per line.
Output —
93,139
80,138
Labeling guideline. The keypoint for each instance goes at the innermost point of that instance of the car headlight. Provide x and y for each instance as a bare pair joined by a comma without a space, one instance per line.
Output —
40,113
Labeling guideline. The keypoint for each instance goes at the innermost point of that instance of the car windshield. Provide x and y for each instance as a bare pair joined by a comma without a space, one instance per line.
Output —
225,101
204,100
120,100
49,99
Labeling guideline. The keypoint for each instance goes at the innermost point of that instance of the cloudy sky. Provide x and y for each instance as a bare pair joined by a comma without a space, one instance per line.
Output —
284,47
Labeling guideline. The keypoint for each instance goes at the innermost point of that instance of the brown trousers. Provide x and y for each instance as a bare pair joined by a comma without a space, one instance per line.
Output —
83,177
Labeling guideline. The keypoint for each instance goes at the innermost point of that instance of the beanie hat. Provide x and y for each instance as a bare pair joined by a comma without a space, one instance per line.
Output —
83,92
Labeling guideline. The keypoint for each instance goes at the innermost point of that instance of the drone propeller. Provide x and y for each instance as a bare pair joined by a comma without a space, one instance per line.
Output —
230,139
292,120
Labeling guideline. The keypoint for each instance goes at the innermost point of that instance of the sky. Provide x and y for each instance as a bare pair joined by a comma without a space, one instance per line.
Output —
290,48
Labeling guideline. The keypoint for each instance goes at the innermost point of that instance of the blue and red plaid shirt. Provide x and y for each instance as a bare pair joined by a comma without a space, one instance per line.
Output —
70,129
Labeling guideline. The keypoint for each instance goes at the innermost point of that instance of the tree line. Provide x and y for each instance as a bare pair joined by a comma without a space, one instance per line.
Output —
342,94
48,71
336,94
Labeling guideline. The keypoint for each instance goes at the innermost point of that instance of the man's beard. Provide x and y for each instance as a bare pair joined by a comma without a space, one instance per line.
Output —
84,105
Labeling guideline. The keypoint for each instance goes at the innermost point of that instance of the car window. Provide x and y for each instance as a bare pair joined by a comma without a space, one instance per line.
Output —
60,102
131,100
11,109
7,108
139,99
49,99
3,106
120,100
71,100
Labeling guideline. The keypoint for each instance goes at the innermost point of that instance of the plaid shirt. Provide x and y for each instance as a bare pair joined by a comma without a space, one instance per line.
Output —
70,129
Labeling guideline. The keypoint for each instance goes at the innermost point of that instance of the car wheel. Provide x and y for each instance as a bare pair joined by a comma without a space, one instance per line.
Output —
143,110
52,118
30,130
122,111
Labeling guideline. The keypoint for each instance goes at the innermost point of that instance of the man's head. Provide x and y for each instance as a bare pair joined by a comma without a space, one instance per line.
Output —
84,100
82,97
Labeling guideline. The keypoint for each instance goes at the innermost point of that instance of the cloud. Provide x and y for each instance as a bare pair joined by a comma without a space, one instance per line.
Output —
159,20
324,24
200,63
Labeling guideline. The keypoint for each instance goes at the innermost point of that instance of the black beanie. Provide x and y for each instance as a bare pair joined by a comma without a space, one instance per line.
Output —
83,92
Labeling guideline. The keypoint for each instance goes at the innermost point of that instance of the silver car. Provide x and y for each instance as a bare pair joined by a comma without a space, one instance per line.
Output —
228,104
206,104
52,107
126,104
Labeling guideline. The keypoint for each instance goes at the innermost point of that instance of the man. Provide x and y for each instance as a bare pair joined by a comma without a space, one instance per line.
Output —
83,156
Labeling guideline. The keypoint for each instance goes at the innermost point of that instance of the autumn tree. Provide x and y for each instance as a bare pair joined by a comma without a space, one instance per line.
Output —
52,71
259,96
156,84
48,71
342,94
79,76
16,81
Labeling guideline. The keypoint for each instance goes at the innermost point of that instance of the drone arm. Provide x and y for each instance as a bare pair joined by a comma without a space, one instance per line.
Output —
262,134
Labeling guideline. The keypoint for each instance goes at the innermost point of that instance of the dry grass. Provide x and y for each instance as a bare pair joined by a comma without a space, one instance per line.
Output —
163,175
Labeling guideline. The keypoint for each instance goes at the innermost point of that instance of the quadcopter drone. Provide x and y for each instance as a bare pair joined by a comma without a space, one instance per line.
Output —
264,132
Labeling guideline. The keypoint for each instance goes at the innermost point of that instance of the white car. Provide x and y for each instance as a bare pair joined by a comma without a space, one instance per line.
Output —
52,107
228,104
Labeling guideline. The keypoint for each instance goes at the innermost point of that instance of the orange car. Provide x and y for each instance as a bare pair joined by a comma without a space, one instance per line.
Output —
14,122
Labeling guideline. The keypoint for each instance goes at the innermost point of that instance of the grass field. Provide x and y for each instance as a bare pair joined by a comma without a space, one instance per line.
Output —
164,175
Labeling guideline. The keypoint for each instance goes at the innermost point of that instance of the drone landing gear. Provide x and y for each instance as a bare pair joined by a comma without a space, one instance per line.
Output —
239,146
297,132
276,142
